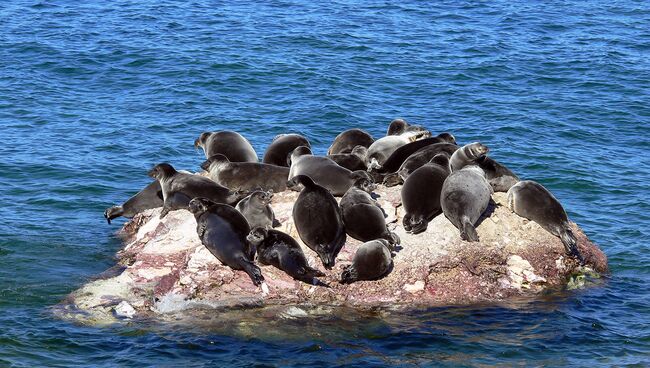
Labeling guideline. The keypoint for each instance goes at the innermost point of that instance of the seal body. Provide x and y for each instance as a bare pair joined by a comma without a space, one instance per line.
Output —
280,250
401,126
416,160
421,193
257,210
397,158
353,161
371,261
246,176
467,155
149,197
531,200
323,171
363,217
318,220
277,153
465,196
223,230
179,188
347,140
230,144
500,177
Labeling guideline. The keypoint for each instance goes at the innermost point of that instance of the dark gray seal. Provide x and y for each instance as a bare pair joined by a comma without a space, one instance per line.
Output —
467,155
257,210
416,160
372,261
231,144
500,177
280,250
223,230
363,217
421,193
383,148
246,176
323,171
149,197
277,153
397,158
465,196
400,126
179,188
531,200
353,161
318,220
347,140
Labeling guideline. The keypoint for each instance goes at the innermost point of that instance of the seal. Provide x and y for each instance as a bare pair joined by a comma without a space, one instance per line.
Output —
353,161
230,144
400,126
347,140
416,160
397,158
178,188
223,230
246,176
323,171
531,200
465,196
283,252
381,149
277,153
318,220
421,193
500,177
372,261
362,215
467,155
149,197
257,211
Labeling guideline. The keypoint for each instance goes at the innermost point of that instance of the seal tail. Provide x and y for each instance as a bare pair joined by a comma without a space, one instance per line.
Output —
253,272
468,232
570,243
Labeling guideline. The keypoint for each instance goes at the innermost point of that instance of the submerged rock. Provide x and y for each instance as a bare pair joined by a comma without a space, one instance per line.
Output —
164,269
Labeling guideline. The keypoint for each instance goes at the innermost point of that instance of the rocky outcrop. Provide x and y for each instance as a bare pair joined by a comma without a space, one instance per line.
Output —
164,268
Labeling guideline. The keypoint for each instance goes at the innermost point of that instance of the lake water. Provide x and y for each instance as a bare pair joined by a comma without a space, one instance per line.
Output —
93,95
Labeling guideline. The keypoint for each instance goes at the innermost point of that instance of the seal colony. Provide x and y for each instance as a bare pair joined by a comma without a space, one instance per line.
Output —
301,232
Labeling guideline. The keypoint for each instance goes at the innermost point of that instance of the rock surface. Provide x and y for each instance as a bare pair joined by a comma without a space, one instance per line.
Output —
164,268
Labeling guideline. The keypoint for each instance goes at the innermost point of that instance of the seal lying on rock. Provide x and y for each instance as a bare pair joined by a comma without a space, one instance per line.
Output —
400,155
500,177
246,175
277,153
280,250
223,230
416,160
371,261
362,216
318,220
353,161
178,188
384,147
230,144
323,171
257,211
531,200
149,197
465,196
421,193
346,141
467,155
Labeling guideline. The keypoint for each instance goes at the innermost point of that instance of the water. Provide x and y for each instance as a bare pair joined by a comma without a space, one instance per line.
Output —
92,95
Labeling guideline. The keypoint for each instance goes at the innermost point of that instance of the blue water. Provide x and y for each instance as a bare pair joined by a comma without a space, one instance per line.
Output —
92,95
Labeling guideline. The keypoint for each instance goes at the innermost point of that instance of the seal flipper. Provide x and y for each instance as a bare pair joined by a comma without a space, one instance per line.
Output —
253,271
570,243
349,275
276,223
468,231
392,179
